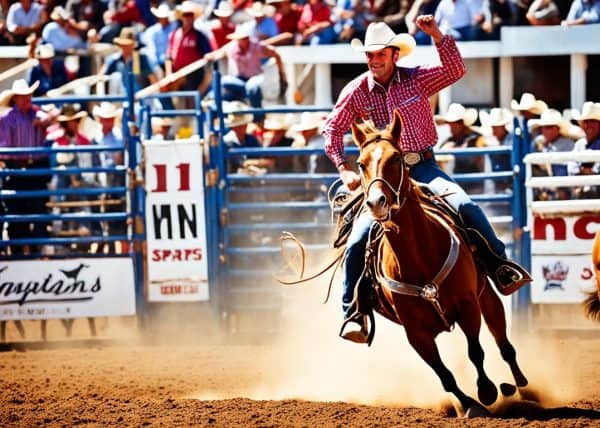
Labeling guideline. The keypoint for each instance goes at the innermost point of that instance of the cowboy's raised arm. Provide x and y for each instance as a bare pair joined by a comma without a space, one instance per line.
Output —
433,78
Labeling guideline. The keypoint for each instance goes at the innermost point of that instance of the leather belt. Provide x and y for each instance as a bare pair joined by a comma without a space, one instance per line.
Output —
414,158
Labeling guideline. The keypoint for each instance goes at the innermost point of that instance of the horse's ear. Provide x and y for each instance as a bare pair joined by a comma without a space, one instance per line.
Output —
396,126
358,134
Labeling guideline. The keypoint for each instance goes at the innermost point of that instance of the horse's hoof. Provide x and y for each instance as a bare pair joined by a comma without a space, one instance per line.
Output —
507,389
487,392
477,411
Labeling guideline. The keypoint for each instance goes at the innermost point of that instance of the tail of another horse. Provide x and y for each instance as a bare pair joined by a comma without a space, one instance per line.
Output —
591,304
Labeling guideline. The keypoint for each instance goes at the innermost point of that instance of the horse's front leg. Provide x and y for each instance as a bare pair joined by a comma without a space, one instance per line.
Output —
423,342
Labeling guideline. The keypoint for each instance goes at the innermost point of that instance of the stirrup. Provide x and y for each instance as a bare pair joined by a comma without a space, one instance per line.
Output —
357,336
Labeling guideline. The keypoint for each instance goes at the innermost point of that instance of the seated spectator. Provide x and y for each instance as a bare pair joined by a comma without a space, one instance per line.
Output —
265,26
501,13
589,120
583,12
543,12
309,135
460,121
498,122
24,17
222,26
156,37
315,26
462,18
351,19
162,128
553,138
418,8
87,14
61,33
528,107
245,78
50,71
24,125
392,12
286,17
187,45
238,136
127,14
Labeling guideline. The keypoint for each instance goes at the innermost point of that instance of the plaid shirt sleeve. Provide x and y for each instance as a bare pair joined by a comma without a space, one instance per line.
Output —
434,78
338,122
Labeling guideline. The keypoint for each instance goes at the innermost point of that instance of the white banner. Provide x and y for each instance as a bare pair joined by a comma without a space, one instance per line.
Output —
561,279
175,221
70,288
564,235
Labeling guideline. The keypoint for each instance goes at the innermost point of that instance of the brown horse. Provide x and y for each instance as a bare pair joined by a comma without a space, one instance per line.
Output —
592,302
427,278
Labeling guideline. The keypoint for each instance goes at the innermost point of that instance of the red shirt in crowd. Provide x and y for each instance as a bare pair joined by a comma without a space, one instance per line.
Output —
220,32
186,48
313,14
287,23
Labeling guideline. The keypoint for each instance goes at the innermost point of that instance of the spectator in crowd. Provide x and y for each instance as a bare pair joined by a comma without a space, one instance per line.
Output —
460,121
309,135
222,26
24,125
187,45
553,138
275,129
286,17
156,37
527,108
245,78
463,19
110,135
418,8
315,26
543,12
351,19
62,33
392,12
589,120
24,17
498,123
126,14
50,71
265,26
583,12
130,58
501,13
238,136
162,128
88,14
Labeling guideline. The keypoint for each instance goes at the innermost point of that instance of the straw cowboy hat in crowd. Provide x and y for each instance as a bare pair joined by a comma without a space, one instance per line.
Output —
494,118
235,114
163,11
589,111
19,87
529,103
308,120
241,31
379,36
457,112
106,110
44,51
71,112
188,7
224,10
551,117
126,37
278,122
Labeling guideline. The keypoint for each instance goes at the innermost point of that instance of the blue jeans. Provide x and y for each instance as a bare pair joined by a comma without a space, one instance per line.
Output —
235,88
439,182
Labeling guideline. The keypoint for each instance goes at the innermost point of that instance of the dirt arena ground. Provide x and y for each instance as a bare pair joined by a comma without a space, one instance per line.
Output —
308,377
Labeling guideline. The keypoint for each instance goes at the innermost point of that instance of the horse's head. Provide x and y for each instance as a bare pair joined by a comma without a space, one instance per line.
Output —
383,173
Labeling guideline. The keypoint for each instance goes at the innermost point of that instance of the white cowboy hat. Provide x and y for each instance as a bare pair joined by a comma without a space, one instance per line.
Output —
259,10
379,36
188,7
60,13
241,31
457,112
496,117
235,114
551,117
529,103
44,51
277,122
589,111
224,10
19,87
106,110
308,120
162,11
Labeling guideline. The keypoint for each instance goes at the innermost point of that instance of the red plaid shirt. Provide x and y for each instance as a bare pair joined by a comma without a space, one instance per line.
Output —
408,93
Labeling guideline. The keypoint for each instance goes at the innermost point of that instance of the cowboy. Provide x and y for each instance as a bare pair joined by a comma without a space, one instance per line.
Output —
238,136
527,108
222,26
375,95
589,121
497,124
61,33
554,137
50,71
156,37
24,126
309,135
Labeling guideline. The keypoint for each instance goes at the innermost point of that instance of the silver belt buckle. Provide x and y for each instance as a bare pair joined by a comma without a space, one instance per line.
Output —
412,158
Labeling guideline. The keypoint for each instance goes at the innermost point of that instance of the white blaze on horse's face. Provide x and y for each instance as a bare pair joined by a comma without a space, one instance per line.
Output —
375,198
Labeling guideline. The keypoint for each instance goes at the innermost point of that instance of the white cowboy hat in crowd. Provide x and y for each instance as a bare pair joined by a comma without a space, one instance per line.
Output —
529,103
235,114
224,10
163,11
188,7
379,36
60,13
258,10
45,51
457,112
19,87
496,117
589,111
551,117
106,110
241,31
308,120
277,122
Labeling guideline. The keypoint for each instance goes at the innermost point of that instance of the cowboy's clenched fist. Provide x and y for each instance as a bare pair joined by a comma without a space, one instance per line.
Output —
427,24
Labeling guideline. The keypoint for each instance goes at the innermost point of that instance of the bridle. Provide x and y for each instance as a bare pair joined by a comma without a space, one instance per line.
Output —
367,187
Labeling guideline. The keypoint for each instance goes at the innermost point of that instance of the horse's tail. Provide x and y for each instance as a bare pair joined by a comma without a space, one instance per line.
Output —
591,305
